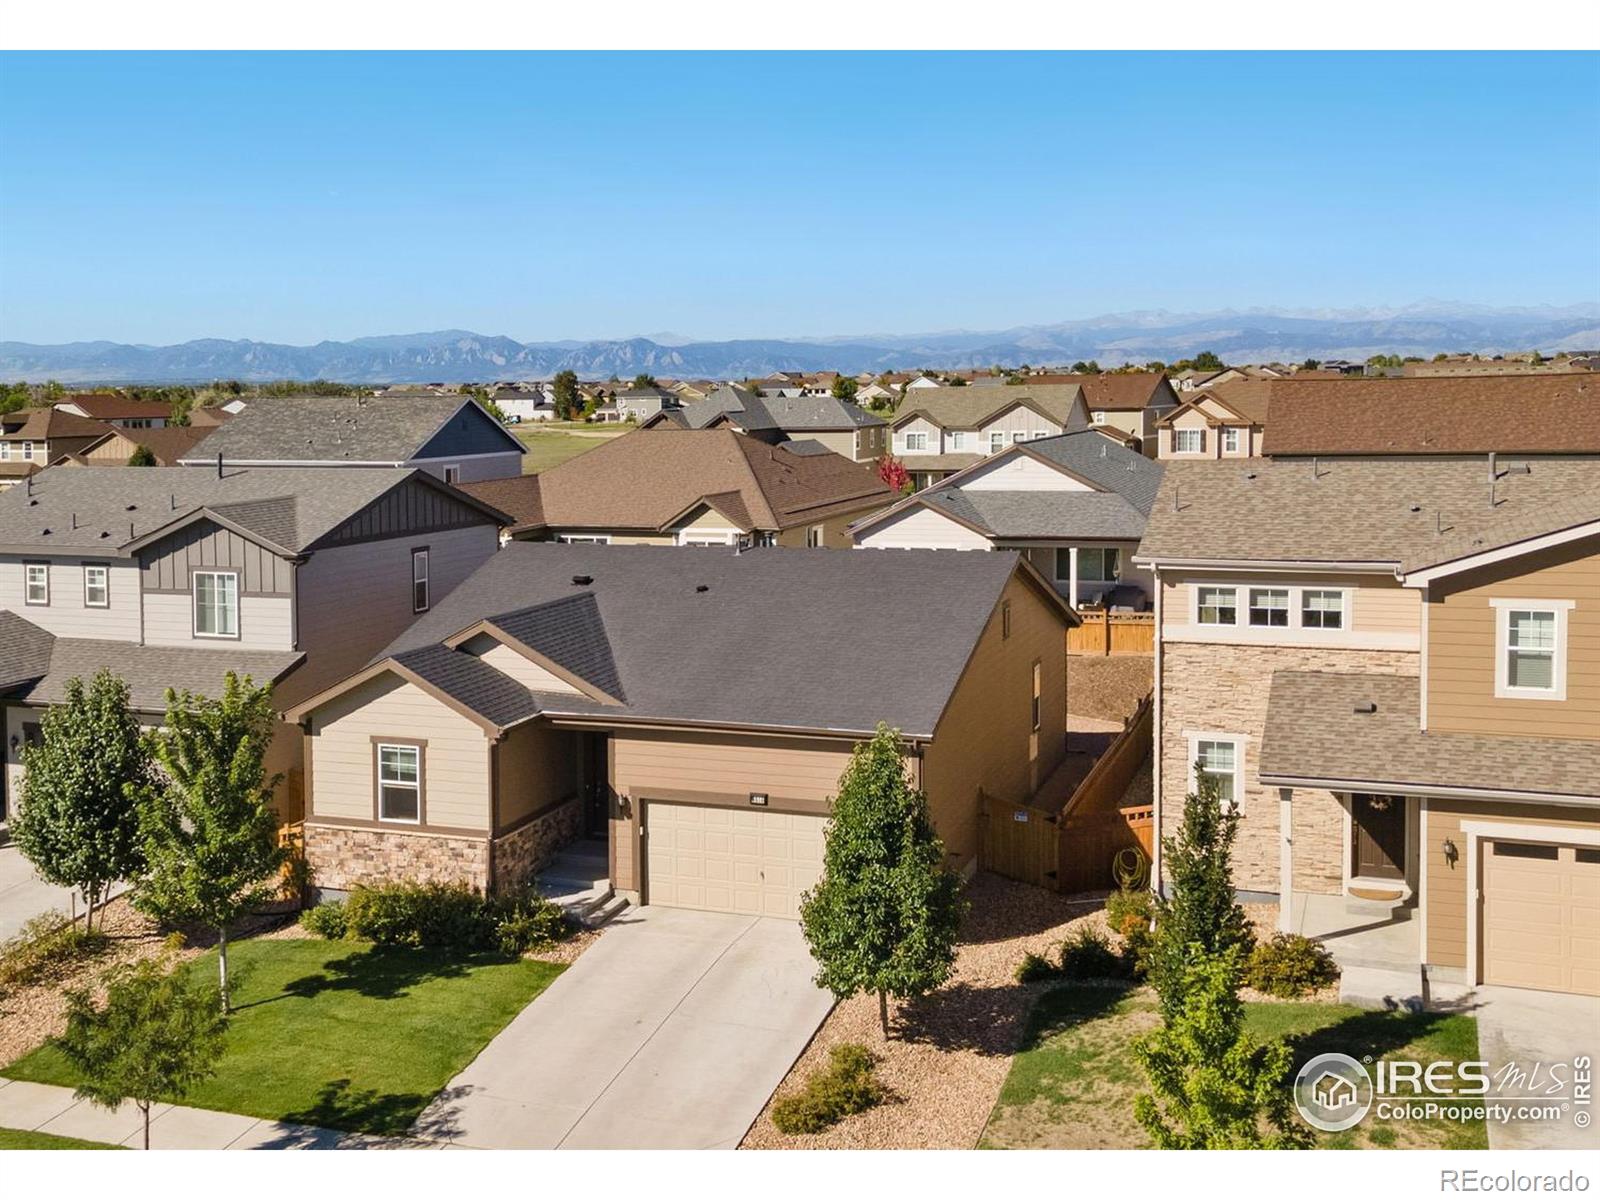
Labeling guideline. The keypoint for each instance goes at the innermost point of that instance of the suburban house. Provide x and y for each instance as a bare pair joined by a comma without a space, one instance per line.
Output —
875,394
1126,405
33,438
1075,505
1391,667
173,576
690,710
679,487
637,404
450,437
841,426
1223,421
937,432
167,445
116,409
528,402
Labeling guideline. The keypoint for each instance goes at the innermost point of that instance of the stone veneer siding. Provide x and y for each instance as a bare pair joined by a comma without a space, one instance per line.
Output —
343,857
523,851
1224,689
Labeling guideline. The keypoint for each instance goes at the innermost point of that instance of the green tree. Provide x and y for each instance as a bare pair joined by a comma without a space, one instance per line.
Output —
564,395
844,387
142,456
1200,917
1311,364
1207,361
78,822
210,835
1211,1086
156,1036
885,914
14,397
1537,359
643,380
51,393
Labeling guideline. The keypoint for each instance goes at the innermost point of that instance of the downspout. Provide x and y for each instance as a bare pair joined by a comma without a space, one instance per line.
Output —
1155,744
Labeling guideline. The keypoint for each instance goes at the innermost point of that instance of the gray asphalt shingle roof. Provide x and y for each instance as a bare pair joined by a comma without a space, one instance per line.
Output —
1314,732
787,413
708,636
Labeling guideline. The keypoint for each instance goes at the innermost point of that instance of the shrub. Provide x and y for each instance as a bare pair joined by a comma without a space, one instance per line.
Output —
433,915
45,947
529,922
847,1085
326,920
1289,965
1033,968
1129,913
1087,954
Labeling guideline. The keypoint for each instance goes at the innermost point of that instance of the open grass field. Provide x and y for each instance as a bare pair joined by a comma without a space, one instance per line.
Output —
551,445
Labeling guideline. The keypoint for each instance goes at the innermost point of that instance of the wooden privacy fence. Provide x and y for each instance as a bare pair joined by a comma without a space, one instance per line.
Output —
1105,632
1073,850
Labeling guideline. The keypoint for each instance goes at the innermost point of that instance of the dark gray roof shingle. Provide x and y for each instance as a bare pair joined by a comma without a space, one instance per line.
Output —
570,633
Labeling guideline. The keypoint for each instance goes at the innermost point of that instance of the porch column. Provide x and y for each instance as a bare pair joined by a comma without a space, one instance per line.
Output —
1285,861
1072,576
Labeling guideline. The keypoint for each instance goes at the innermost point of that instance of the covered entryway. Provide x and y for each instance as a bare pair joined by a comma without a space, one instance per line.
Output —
1378,841
1541,916
752,861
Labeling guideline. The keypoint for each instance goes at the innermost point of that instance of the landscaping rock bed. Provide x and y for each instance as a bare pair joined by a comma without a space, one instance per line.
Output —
950,1051
1109,688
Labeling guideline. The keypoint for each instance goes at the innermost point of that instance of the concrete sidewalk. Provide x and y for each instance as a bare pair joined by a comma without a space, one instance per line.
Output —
44,1108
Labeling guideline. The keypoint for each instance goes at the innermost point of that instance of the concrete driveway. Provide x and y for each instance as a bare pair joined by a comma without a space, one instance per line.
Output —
669,1033
1527,1027
23,895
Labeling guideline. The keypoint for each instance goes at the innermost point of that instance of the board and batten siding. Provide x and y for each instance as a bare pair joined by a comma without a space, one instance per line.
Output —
919,527
1462,645
455,762
1383,616
66,615
1448,891
170,563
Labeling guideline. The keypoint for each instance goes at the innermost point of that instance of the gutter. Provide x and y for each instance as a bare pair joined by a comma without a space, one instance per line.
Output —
1275,564
1424,789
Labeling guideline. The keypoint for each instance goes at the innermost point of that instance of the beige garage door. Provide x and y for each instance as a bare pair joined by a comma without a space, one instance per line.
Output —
737,860
1541,916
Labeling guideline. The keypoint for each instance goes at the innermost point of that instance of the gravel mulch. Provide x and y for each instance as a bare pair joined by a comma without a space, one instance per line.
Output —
1107,687
951,1050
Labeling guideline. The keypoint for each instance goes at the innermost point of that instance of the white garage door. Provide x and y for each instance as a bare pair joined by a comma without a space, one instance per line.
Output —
1541,916
737,860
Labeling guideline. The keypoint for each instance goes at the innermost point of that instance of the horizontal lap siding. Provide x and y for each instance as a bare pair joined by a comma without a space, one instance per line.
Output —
1378,607
1462,646
509,662
265,622
920,528
538,768
66,615
1447,891
457,755
1019,473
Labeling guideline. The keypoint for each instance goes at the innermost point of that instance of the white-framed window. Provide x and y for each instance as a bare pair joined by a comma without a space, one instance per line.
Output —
585,539
1219,757
814,536
958,440
96,585
1269,607
916,441
1188,441
1531,649
5,451
1039,433
1099,418
1019,435
1321,608
399,775
27,451
997,441
452,473
216,604
1216,605
37,580
421,597
1230,439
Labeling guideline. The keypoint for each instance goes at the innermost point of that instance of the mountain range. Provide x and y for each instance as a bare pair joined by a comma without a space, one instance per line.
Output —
457,356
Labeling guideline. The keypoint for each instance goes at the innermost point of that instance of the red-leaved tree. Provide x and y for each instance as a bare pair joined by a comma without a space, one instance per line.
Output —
893,472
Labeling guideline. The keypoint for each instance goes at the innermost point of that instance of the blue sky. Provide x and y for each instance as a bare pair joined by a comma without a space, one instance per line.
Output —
157,198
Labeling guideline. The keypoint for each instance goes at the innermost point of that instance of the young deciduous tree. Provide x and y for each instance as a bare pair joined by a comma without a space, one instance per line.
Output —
564,395
893,472
644,380
1200,916
844,387
1212,1087
78,822
209,833
156,1036
884,916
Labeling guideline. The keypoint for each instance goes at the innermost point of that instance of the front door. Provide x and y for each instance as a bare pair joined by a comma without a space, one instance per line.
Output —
1378,824
595,783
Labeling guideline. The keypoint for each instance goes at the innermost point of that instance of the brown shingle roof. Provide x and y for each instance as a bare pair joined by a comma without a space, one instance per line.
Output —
168,444
1313,731
41,424
1523,414
108,406
1115,391
646,479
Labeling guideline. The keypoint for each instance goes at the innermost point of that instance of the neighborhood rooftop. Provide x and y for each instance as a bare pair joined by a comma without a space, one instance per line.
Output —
970,407
788,413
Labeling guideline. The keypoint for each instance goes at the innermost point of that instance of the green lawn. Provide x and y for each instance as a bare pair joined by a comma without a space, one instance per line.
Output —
345,1034
1072,1085
22,1139
552,447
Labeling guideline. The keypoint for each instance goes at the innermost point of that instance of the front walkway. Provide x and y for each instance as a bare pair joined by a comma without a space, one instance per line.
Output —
23,895
670,1032
1523,1028
45,1108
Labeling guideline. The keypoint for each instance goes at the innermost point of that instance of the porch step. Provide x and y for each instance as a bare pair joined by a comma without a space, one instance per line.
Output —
1399,908
581,865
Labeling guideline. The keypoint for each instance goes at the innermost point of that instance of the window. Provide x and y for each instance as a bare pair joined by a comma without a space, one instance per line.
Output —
585,539
1531,642
27,451
997,442
399,783
419,580
1038,677
38,583
452,473
1230,439
1098,418
1217,605
1018,436
1219,759
1038,433
814,536
1005,619
5,451
1098,564
1188,441
958,440
96,586
216,604
1269,607
916,441
1320,609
